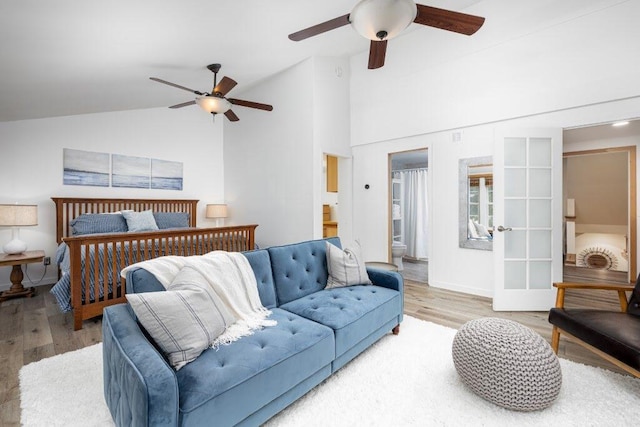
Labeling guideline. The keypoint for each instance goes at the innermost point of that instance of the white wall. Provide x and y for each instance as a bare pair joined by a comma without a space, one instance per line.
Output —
512,67
331,135
273,165
31,163
371,225
331,130
268,160
553,73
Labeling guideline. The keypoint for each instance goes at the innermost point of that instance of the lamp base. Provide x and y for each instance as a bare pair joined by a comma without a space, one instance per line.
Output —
14,247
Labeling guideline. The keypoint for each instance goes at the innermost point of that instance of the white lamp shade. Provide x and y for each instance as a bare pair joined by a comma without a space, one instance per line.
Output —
213,104
216,211
18,215
370,17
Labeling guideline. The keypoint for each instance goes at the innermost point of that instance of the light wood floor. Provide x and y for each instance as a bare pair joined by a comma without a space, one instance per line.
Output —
33,328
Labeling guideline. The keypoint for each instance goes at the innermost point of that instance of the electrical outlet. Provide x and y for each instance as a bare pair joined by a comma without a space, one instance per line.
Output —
47,260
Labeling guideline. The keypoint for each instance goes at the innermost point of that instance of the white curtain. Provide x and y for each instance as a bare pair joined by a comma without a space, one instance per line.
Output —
415,211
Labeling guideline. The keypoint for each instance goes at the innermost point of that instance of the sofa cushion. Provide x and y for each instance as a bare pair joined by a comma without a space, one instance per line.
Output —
352,312
227,384
615,333
140,280
299,269
261,265
346,266
185,320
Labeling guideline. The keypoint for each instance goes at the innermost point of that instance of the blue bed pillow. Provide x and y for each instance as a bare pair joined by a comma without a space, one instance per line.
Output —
98,223
140,221
166,220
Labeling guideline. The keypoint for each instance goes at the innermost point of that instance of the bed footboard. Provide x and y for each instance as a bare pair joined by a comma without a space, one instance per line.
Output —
96,260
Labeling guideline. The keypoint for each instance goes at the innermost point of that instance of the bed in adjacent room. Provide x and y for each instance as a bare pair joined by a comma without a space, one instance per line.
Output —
97,238
604,251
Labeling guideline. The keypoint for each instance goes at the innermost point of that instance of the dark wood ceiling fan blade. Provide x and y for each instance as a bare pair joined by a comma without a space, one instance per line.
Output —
377,52
231,116
320,28
250,104
155,79
183,104
448,20
225,85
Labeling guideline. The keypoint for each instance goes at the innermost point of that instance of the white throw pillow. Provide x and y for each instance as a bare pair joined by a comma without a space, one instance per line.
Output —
483,232
472,231
184,320
140,221
346,266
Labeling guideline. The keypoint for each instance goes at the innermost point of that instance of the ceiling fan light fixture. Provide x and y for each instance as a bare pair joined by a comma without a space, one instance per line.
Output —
382,19
213,104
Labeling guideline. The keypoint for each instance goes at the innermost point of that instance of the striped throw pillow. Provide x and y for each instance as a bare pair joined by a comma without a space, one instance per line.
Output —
346,266
186,319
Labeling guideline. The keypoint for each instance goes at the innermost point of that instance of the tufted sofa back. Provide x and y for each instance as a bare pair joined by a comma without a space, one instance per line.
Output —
140,280
284,273
261,265
299,269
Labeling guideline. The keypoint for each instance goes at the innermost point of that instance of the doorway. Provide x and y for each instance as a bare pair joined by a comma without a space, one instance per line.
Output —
599,194
409,213
330,196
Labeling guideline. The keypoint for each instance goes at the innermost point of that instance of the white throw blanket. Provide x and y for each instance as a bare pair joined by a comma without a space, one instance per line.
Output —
230,275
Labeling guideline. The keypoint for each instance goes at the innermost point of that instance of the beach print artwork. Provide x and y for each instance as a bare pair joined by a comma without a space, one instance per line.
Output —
130,171
85,168
117,170
166,175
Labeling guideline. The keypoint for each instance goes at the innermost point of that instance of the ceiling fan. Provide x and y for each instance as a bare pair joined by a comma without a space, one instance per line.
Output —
382,20
216,102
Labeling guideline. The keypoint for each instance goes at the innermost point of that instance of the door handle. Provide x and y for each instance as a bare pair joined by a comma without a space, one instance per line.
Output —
501,228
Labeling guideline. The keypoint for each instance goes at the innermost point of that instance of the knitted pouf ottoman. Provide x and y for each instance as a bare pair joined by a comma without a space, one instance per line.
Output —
507,364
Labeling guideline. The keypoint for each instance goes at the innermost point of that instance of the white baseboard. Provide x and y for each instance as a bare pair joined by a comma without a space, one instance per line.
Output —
461,288
46,280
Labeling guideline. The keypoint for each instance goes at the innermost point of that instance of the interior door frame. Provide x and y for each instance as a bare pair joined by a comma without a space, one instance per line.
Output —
631,197
390,195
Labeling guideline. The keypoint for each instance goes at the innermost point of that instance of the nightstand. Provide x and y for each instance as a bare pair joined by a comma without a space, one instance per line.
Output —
17,290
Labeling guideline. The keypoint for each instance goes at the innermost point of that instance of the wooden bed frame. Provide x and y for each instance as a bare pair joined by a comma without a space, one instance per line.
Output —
187,241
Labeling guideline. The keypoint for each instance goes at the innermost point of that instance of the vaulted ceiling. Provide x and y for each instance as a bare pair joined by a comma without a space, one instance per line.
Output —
66,57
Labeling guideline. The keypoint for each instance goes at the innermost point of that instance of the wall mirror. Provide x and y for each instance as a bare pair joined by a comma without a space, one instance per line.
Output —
475,226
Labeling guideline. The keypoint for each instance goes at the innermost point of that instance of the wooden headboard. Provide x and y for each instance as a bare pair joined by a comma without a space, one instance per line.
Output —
68,208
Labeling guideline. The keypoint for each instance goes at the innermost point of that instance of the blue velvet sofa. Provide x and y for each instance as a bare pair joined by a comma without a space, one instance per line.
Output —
248,381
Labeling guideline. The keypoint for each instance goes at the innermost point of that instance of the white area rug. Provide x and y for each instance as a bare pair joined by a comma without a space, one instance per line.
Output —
65,390
402,380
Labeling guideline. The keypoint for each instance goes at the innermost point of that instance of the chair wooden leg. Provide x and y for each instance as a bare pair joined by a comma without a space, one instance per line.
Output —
555,339
622,296
396,330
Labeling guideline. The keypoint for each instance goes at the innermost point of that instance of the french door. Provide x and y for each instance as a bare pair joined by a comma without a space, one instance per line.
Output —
527,243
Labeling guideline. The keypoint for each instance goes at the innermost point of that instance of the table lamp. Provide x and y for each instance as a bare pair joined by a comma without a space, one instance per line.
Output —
216,211
16,216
